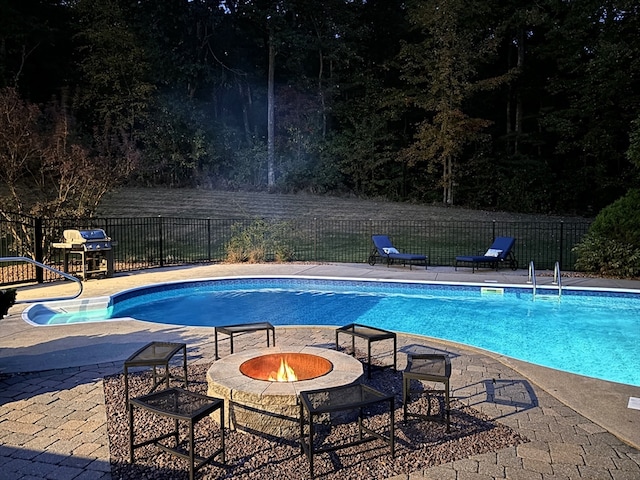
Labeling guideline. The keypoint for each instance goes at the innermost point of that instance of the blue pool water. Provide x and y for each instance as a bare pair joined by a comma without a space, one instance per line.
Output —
592,333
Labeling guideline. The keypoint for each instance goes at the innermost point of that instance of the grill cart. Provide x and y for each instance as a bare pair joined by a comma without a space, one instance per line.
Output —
94,249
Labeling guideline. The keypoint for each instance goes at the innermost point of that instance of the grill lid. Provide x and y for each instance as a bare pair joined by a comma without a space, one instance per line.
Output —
88,239
83,236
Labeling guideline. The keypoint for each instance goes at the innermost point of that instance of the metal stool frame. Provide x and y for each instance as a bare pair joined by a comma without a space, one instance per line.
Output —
417,370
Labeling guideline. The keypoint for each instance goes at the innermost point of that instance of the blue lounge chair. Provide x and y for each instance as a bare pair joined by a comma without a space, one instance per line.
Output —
383,249
499,253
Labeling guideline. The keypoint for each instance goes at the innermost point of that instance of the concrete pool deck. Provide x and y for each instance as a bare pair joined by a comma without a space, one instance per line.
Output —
53,420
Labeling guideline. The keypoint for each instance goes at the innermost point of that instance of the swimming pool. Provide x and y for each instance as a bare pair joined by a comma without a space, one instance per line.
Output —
589,332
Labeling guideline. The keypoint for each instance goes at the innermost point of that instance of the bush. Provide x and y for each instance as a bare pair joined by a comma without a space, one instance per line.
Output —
612,245
258,241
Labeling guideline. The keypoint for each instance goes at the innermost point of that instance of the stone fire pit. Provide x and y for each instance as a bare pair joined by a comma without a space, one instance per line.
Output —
272,407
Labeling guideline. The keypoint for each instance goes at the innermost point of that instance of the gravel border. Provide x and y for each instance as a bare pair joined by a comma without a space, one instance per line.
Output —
419,444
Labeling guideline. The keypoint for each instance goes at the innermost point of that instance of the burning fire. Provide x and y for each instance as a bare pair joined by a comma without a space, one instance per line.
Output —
284,374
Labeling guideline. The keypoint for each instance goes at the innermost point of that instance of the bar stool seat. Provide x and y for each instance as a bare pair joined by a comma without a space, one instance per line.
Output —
434,368
157,355
230,330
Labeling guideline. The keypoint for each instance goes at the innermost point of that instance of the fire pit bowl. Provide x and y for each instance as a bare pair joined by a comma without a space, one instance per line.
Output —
268,406
286,367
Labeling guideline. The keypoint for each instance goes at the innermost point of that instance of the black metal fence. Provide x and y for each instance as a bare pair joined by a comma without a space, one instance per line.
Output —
162,241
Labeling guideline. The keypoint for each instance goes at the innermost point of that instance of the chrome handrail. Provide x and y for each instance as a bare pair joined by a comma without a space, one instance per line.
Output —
532,277
557,278
51,269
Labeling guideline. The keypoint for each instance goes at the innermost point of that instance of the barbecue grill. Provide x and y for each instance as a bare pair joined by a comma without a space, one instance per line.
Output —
94,248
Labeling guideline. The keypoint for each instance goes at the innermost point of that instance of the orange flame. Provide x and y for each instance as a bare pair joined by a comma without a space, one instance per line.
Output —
284,374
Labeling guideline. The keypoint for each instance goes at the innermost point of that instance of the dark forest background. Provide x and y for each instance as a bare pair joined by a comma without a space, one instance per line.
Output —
506,105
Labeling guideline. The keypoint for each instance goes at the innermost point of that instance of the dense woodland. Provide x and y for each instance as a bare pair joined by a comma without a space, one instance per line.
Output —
494,104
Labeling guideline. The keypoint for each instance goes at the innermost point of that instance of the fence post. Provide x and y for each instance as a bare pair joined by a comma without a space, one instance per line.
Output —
208,239
561,244
315,239
160,243
38,251
493,230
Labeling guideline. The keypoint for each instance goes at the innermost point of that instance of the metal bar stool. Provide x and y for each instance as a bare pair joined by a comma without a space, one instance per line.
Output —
429,368
156,354
180,405
321,404
230,330
370,334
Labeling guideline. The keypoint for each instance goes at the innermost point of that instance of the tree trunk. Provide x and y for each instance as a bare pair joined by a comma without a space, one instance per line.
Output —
271,153
447,180
245,96
321,93
519,113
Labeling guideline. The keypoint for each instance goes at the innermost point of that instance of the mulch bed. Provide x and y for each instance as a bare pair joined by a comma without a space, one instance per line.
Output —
419,444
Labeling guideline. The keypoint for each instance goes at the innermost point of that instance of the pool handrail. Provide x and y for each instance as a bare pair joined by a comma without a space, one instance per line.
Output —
51,269
557,278
532,277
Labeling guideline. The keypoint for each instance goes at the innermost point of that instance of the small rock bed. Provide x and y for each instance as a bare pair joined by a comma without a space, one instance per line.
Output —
419,444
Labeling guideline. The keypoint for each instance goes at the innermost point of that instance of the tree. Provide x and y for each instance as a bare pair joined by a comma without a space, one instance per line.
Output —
362,147
595,96
633,153
399,99
47,172
35,46
269,19
299,39
440,69
113,90
365,127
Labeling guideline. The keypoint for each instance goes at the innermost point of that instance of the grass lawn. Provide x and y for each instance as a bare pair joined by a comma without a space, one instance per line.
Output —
197,203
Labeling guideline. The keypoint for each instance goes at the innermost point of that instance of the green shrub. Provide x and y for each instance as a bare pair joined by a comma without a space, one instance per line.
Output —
259,242
612,245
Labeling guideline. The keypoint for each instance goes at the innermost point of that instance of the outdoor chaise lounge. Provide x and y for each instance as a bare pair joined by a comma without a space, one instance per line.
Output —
383,249
500,252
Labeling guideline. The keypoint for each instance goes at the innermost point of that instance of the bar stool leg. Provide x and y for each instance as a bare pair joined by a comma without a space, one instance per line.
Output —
224,455
184,366
405,395
131,455
126,386
447,405
353,345
301,428
392,409
311,452
395,354
191,452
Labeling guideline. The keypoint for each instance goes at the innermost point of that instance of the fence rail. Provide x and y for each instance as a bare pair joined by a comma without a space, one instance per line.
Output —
149,242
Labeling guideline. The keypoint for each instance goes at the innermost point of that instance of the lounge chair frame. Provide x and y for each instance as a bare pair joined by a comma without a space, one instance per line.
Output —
378,254
505,258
